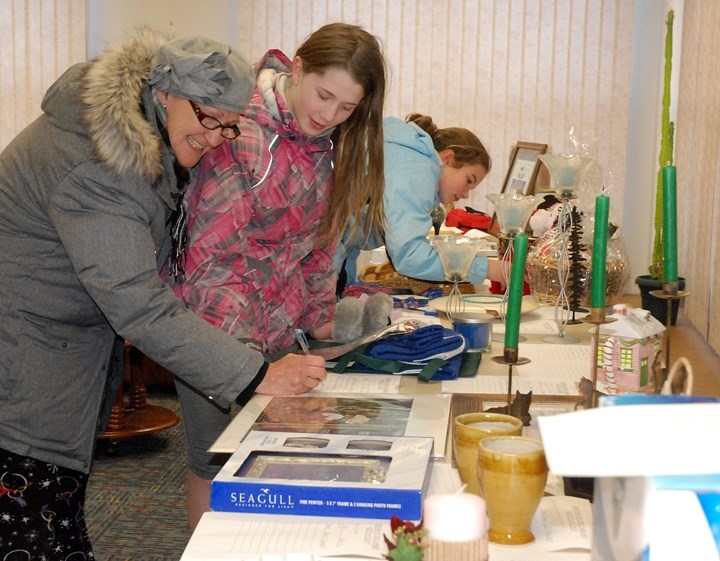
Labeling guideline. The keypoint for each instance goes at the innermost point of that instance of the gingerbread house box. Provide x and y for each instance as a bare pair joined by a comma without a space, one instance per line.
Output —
627,350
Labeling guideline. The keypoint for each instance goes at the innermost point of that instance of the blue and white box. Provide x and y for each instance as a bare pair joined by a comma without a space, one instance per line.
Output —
313,474
656,465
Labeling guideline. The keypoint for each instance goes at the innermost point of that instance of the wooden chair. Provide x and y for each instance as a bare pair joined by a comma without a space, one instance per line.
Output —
133,415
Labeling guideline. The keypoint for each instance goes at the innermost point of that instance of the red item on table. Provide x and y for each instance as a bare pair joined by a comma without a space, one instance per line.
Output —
465,220
496,288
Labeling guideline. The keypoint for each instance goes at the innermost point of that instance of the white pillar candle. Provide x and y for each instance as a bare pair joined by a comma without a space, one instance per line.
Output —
455,518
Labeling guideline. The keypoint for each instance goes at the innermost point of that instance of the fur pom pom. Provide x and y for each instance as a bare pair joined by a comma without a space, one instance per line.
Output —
348,324
376,314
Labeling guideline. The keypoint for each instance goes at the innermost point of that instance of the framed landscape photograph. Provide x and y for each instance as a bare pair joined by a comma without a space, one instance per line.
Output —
524,167
344,414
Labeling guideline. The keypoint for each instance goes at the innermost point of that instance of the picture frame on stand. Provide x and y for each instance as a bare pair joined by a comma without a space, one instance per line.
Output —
524,167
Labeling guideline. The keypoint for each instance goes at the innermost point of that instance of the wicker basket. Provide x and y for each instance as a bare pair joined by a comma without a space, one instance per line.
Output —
386,275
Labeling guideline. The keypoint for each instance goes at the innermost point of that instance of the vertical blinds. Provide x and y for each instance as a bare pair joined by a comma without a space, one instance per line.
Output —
40,39
508,70
697,149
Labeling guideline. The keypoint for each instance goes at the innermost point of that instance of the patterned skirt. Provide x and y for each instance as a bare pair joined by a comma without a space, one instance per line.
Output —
41,511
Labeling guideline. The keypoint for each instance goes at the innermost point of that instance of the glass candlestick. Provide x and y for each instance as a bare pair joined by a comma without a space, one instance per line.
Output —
513,210
456,255
566,172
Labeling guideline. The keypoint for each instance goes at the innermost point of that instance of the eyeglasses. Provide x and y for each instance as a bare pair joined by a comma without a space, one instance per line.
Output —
211,123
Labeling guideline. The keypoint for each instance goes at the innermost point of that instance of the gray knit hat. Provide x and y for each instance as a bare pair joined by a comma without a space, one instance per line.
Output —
205,71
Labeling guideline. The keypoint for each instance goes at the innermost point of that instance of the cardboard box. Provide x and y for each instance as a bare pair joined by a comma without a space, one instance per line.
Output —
325,475
657,490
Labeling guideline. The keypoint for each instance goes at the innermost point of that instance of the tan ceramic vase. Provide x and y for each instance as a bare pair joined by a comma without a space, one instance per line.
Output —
512,472
469,430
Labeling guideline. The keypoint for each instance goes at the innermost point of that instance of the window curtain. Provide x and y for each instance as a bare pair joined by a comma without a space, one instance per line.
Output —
40,39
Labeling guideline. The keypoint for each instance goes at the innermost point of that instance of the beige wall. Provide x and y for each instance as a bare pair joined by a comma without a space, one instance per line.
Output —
697,151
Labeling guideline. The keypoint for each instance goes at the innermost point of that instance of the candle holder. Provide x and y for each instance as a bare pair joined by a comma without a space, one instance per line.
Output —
567,171
670,291
596,317
439,550
456,255
513,211
456,527
511,358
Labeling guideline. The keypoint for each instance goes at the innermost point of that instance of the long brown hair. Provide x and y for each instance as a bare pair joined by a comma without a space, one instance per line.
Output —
466,146
358,177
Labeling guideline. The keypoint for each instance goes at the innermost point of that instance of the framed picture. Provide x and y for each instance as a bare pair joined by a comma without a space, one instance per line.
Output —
524,167
368,415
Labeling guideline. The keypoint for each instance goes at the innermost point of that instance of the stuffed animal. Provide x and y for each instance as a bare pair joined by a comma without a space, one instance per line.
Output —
357,317
545,216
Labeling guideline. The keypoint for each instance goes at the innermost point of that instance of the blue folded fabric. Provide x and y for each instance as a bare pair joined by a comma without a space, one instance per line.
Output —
449,369
433,370
419,346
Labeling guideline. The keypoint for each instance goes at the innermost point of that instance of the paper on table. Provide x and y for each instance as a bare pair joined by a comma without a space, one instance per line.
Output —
241,537
552,370
444,480
359,383
562,525
535,327
634,440
498,385
556,362
559,524
517,553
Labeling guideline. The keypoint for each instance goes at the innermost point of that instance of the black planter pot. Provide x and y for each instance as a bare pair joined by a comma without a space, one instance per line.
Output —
657,306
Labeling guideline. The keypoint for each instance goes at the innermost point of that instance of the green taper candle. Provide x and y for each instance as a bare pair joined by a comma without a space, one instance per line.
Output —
515,291
598,275
670,273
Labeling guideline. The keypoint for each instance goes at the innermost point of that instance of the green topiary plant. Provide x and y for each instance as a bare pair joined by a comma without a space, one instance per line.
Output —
667,132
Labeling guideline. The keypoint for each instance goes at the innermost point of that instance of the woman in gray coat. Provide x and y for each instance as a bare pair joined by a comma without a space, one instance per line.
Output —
86,192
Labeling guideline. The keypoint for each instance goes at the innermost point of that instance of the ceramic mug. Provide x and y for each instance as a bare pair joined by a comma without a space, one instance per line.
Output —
512,474
469,430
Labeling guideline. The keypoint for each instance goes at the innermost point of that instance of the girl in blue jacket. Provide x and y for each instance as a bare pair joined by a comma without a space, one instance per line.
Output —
425,166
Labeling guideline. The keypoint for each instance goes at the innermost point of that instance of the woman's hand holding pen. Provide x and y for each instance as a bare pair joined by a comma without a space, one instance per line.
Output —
293,374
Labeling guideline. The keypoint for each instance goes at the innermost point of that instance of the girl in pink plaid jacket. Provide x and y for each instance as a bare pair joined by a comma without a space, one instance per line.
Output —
266,210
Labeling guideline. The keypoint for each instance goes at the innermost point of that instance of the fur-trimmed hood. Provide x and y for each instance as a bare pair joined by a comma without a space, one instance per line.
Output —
115,100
